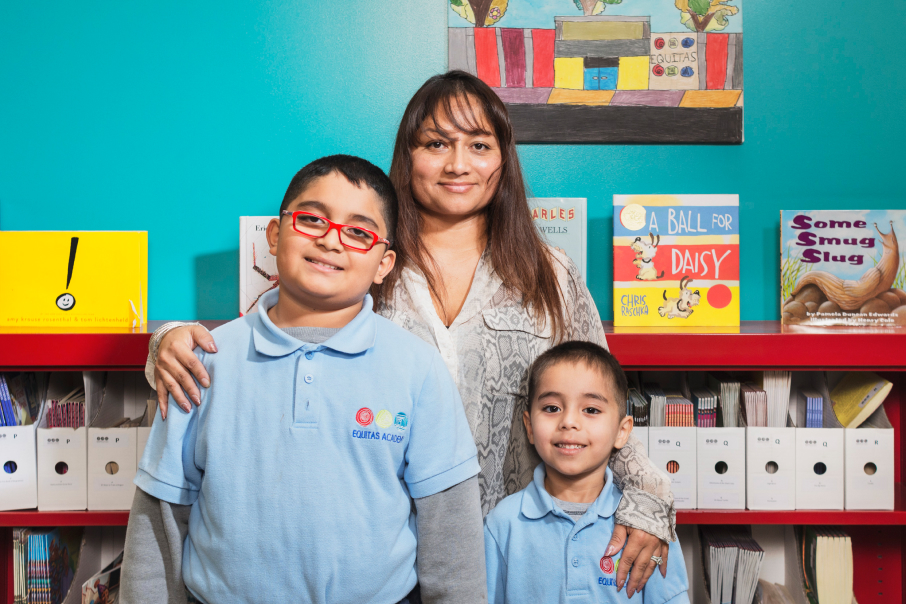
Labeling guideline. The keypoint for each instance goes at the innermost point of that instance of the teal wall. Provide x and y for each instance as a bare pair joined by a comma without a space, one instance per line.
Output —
178,117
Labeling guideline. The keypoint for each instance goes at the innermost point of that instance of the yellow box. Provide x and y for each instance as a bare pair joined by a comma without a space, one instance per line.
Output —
580,97
73,279
710,98
569,73
603,30
633,74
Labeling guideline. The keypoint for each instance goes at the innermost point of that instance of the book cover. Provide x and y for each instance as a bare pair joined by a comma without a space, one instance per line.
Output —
257,267
563,223
857,396
676,260
842,267
75,279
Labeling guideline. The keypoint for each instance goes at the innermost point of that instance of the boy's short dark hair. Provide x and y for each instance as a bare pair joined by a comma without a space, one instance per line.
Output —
357,171
589,354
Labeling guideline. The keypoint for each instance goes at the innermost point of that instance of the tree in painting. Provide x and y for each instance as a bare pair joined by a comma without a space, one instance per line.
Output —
594,7
482,13
705,15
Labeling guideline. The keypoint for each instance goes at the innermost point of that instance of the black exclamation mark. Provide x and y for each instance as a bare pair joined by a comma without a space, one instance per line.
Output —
66,301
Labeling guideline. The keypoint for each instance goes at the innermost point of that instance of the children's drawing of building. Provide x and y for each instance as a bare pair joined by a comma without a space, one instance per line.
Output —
609,61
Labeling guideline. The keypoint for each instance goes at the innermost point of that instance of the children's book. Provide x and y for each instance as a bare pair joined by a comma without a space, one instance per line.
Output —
563,222
75,279
676,260
842,267
257,267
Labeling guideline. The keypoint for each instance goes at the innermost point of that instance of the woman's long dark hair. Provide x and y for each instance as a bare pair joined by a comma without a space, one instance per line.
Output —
517,253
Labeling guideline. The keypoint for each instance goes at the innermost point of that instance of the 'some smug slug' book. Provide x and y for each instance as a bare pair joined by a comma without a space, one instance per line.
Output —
676,260
842,267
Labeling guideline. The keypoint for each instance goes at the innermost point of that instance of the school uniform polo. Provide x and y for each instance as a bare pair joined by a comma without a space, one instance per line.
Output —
302,461
536,553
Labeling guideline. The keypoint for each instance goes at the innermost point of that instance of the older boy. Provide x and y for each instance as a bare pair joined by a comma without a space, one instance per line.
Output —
546,543
325,421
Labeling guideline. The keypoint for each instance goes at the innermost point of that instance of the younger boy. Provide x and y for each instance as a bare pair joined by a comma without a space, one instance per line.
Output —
546,543
322,423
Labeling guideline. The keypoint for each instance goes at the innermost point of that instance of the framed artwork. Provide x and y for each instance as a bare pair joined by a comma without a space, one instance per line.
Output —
607,71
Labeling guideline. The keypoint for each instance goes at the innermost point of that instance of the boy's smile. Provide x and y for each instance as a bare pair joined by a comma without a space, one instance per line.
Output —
575,425
320,274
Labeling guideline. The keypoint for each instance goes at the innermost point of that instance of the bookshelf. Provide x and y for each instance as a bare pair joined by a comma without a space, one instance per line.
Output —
878,545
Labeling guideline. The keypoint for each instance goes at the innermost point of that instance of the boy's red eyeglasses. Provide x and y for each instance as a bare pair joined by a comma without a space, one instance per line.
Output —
353,237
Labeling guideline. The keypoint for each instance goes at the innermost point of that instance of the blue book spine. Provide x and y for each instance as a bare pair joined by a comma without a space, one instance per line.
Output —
8,408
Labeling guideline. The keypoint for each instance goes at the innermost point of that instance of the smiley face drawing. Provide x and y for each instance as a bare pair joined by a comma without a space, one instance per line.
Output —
65,301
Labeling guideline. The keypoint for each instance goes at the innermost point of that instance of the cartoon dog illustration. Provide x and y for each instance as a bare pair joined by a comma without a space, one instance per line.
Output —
680,308
644,256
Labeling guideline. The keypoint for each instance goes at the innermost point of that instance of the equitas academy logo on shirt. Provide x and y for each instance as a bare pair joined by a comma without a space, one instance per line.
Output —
384,419
609,566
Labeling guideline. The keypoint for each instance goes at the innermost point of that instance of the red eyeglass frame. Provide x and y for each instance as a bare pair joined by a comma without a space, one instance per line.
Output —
336,225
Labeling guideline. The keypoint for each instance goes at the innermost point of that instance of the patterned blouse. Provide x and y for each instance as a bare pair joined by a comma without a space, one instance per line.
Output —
488,350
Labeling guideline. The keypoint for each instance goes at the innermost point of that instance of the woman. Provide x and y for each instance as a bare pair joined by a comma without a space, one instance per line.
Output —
474,278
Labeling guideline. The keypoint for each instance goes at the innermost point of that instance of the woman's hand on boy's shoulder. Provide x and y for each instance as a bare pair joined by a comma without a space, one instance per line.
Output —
639,549
177,364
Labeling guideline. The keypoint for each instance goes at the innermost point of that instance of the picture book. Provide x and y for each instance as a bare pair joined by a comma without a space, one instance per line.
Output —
76,279
563,222
676,260
257,267
842,267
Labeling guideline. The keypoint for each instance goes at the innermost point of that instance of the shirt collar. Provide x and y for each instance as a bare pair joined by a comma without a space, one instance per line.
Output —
537,502
355,337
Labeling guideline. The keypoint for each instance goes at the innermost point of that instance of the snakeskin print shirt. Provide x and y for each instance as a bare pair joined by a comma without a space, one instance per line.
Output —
488,349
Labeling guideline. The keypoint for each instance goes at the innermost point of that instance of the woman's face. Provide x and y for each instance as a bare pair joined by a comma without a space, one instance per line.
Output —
455,174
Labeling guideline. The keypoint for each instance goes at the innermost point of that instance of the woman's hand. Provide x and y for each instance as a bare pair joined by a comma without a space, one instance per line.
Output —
640,547
176,364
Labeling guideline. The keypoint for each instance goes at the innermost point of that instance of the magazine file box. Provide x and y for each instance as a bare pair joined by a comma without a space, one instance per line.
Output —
819,468
721,456
62,468
672,450
868,479
62,454
771,468
18,480
111,451
642,435
141,439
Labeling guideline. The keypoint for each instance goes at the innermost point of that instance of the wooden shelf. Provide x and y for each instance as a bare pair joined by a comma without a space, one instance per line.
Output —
752,345
31,518
757,345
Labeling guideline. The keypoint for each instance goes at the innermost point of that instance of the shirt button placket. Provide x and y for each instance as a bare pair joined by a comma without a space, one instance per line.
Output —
306,407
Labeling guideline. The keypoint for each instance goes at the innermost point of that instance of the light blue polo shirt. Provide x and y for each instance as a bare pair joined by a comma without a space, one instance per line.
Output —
536,553
303,459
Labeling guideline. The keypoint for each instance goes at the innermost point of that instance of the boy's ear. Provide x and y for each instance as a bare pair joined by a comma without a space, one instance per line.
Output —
273,234
386,265
527,420
623,432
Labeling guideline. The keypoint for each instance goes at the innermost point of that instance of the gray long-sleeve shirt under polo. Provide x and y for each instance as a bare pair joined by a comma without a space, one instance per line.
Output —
449,559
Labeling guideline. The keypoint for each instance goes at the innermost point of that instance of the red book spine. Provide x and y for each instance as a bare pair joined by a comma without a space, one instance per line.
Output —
514,57
543,58
716,57
486,60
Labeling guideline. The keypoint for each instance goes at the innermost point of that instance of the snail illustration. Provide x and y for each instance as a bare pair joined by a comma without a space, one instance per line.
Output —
851,295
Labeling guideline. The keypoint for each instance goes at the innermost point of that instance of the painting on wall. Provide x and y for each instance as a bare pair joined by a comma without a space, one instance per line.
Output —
607,71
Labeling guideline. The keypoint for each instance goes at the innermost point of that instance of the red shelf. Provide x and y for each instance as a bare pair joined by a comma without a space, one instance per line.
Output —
31,518
757,345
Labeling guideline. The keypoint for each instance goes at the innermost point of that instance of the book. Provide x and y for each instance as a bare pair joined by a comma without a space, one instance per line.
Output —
562,222
827,564
676,260
842,267
76,279
857,396
257,266
105,585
